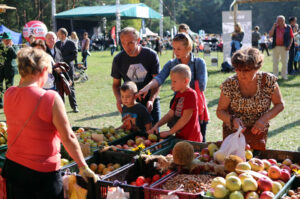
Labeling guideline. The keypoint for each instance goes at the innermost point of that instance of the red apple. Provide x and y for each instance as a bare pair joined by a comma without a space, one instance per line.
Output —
205,158
295,167
247,147
266,195
119,146
264,184
148,180
130,142
274,172
272,161
287,162
286,168
204,151
155,178
263,172
285,175
147,143
256,164
125,146
140,181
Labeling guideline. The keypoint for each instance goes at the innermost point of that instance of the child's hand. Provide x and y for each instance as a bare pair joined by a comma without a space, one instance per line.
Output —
164,134
153,130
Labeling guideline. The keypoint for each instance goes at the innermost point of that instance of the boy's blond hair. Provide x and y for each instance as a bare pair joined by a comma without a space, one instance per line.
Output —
130,85
182,69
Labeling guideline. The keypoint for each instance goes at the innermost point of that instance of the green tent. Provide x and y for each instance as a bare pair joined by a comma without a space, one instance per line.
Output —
132,11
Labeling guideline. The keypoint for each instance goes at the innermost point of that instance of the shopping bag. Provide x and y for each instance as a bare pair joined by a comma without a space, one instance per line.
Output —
234,144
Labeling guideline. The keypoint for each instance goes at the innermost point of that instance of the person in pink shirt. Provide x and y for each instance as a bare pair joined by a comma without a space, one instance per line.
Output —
37,124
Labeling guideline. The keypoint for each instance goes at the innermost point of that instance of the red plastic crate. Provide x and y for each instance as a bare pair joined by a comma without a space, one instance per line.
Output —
156,191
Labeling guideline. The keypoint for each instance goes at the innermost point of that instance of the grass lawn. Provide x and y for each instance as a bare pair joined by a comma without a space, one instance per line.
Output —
97,103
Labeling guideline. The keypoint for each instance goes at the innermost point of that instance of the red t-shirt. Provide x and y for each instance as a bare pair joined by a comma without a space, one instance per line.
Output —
183,101
280,35
38,145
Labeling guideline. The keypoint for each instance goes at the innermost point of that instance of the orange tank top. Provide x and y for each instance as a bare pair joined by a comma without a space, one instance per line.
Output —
38,146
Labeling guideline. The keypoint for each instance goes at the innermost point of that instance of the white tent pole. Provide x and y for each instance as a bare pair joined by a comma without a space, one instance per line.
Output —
118,21
53,12
161,21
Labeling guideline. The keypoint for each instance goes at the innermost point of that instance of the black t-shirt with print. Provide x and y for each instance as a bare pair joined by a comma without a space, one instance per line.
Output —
139,69
137,115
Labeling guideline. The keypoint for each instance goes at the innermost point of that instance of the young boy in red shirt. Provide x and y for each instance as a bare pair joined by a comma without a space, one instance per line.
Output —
184,111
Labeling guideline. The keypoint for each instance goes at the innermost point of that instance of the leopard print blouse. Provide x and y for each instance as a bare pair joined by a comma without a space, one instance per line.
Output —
250,109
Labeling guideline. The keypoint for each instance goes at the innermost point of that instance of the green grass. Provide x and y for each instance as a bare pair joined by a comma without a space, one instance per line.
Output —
97,103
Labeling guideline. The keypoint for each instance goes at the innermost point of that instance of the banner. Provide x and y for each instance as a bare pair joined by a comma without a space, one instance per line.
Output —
36,28
245,19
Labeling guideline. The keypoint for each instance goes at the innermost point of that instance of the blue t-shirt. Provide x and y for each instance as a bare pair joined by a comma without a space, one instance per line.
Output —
137,115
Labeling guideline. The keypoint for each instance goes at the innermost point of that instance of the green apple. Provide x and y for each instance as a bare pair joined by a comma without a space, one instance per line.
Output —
2,140
220,191
105,130
276,186
249,184
236,195
248,154
242,166
216,181
233,183
243,176
212,148
231,174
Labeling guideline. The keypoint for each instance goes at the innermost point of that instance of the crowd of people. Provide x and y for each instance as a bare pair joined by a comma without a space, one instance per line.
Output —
47,66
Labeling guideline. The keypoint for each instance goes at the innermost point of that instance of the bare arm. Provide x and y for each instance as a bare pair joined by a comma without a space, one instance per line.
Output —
184,119
116,89
165,118
271,33
68,138
153,94
151,85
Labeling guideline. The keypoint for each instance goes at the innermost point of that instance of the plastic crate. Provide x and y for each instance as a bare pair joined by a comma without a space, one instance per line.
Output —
278,155
104,158
156,191
3,150
126,175
292,184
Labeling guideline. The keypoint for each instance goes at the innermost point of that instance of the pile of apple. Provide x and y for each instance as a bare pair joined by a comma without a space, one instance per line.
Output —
131,144
3,134
147,181
253,179
207,154
103,169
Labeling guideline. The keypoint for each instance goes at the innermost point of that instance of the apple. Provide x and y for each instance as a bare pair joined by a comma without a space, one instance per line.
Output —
252,195
287,162
140,181
243,176
267,164
294,167
272,161
281,182
152,137
264,184
249,184
212,148
266,195
276,186
125,146
138,141
236,195
274,172
248,147
242,166
155,178
130,142
219,156
220,191
231,174
248,154
119,146
233,183
204,151
216,181
264,172
205,158
147,143
256,164
283,166
284,175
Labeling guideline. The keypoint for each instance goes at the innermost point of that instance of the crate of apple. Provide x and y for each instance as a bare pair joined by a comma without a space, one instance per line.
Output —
104,169
147,181
137,140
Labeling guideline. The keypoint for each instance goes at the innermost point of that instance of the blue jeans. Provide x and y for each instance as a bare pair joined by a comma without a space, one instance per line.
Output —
155,113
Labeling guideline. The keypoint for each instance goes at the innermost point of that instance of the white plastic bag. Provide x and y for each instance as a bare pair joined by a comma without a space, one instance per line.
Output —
234,144
117,193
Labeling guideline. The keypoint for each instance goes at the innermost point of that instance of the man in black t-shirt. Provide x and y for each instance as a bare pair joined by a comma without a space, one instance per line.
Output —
138,64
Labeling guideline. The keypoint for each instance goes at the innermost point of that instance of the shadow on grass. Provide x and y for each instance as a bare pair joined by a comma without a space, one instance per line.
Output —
281,129
213,102
93,117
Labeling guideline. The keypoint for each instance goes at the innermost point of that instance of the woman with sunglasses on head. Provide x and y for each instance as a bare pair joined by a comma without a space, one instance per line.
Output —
246,98
182,47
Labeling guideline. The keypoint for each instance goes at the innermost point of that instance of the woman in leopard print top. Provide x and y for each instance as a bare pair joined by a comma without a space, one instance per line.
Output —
246,99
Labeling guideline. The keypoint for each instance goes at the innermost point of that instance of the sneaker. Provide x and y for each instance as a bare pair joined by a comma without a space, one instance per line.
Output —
75,109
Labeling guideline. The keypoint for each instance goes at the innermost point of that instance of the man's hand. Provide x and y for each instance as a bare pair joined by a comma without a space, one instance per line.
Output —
149,106
142,93
164,134
153,130
119,105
